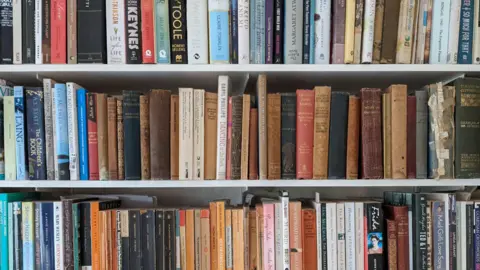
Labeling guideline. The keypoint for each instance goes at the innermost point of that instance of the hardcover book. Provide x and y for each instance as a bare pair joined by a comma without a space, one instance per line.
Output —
378,30
338,32
353,136
145,137
421,130
102,135
92,32
120,141
210,144
288,135
131,122
112,138
274,137
174,136
337,150
390,31
253,145
398,97
304,133
321,131
411,137
160,134
236,141
37,169
262,127
245,136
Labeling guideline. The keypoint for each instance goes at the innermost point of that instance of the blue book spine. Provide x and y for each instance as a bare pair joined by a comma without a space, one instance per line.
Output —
439,240
219,31
46,245
312,32
61,133
82,132
260,44
35,134
253,29
465,38
234,30
177,237
28,237
20,132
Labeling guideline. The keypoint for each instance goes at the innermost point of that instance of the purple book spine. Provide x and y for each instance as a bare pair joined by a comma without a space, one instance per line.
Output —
269,31
338,32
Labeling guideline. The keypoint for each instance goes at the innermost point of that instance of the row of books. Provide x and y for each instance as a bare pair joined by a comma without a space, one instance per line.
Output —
240,32
406,231
64,132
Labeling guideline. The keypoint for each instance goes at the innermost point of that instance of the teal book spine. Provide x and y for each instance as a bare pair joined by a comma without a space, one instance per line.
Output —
162,34
28,236
219,31
62,164
20,132
76,236
312,32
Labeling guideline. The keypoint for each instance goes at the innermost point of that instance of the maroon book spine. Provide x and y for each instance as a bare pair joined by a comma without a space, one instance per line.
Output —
304,147
371,133
411,137
400,215
92,137
338,29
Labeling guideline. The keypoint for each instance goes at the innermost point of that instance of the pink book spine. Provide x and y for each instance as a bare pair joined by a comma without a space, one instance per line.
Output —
268,236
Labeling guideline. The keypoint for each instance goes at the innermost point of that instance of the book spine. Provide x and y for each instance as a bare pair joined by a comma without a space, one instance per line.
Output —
304,133
269,31
186,133
162,32
62,166
210,130
454,29
368,31
288,132
131,122
374,229
262,127
293,31
71,31
309,234
49,152
93,168
421,129
420,231
148,31
145,137
274,136
332,236
353,134
337,149
213,236
465,44
120,141
76,236
35,135
197,239
322,31
205,239
253,145
199,134
46,237
73,131
92,30
405,32
125,239
160,239
357,33
135,227
116,35
359,235
295,235
372,167
10,149
178,31
58,31
391,244
2,143
439,243
439,38
45,28
418,57
428,31
390,32
28,32
349,31
160,134
321,131
222,113
470,235
10,38
233,18
38,32
197,28
17,258
20,132
278,34
243,32
268,242
245,136
82,133
112,138
323,236
58,235
453,236
260,42
37,235
133,31
28,235
411,137
253,30
218,14
228,240
235,143
67,231
148,239
338,32
312,32
341,244
350,239
174,137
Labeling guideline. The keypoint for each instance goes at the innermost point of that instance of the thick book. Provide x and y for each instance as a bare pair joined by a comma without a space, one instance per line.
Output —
465,42
229,140
58,31
115,32
178,31
6,29
197,29
253,145
37,169
210,127
162,32
160,134
293,32
131,122
399,214
236,141
374,235
390,31
262,127
148,31
288,135
186,134
145,137
20,132
120,141
405,34
421,135
133,31
93,170
338,32
274,136
174,136
321,129
28,32
73,130
112,138
398,97
218,14
337,150
411,136
102,135
309,234
353,135
91,32
62,161
304,133
222,116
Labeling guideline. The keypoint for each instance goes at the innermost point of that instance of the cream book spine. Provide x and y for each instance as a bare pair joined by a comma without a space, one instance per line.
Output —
197,28
222,116
9,135
244,33
350,240
198,133
349,31
17,31
341,236
421,31
332,236
73,130
186,134
359,236
116,46
454,30
405,31
368,31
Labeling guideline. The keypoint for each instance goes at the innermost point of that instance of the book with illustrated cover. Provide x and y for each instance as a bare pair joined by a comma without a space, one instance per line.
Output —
20,132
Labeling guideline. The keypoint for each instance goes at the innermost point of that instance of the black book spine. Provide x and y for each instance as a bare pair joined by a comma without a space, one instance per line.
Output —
125,235
35,134
452,212
135,227
159,239
28,32
91,32
38,228
306,33
470,247
6,32
67,235
279,7
17,234
178,31
131,128
85,235
47,241
375,238
324,236
420,231
133,31
337,149
288,135
46,51
234,31
169,234
148,239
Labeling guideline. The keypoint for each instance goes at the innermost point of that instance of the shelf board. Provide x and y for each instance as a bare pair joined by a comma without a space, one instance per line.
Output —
239,183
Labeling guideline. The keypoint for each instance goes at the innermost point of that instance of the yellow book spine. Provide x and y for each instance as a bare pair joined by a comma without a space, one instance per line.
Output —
9,133
349,31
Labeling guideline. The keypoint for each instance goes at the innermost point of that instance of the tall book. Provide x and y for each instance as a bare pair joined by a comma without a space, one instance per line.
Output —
371,122
398,97
229,139
420,31
374,234
259,33
358,31
338,32
274,137
45,32
295,231
72,32
387,138
210,128
453,31
116,35
353,135
28,32
390,31
268,244
391,248
91,32
120,141
205,239
112,138
144,137
262,126
428,32
160,134
148,31
288,135
236,139
58,31
49,143
411,136
62,167
198,134
399,214
306,34
269,31
282,234
253,145
321,131
245,136
131,122
293,31
439,34
174,136
309,234
349,31
133,31
10,142
20,133
222,115
6,28
73,131
465,43
331,237
337,150
178,31
197,28
322,31
162,32
369,21
304,133
405,32
350,235
93,167
220,231
37,169
102,135
186,134
244,32
421,130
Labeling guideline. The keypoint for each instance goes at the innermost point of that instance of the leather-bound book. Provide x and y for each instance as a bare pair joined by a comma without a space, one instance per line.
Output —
159,116
145,137
338,31
337,150
421,130
92,136
309,235
288,126
131,122
321,131
245,136
371,133
353,137
253,145
273,131
174,137
391,244
398,97
399,214
262,127
378,30
236,141
120,154
390,31
210,146
102,137
305,123
112,138
411,136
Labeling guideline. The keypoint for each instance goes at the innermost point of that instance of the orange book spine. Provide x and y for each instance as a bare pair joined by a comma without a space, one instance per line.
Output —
205,239
238,241
253,146
353,137
183,242
103,239
309,239
112,138
274,152
94,234
145,137
296,246
213,236
221,235
102,135
109,240
190,238
252,239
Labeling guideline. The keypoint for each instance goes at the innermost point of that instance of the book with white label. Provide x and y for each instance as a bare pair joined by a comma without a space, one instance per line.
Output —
198,133
38,32
222,116
116,47
243,31
197,29
293,31
341,236
323,8
405,32
350,240
439,34
368,31
359,236
454,24
186,133
73,130
332,235
282,236
17,31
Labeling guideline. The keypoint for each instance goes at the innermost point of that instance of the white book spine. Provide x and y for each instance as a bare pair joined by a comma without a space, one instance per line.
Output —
17,31
368,29
186,134
222,116
199,133
49,151
476,32
285,233
461,236
322,31
439,35
421,32
197,28
359,236
58,234
244,32
228,247
73,131
332,236
293,31
278,236
410,239
116,51
454,31
38,32
341,236
350,235
54,135
318,220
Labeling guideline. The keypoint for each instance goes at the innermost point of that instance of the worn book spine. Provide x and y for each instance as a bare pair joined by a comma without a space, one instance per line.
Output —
145,137
116,35
73,131
421,135
274,136
62,171
293,32
358,31
244,32
92,30
321,129
159,117
337,150
162,32
309,234
295,231
93,167
465,42
174,137
133,31
218,14
391,246
399,214
350,6
59,31
120,141
148,31
71,31
420,32
112,147
20,129
198,133
124,239
405,32
390,31
210,144
28,32
131,123
262,127
186,133
278,34
102,129
368,34
399,130
387,138
35,134
222,116
374,229
304,133
353,134
253,145
245,136
236,138
82,133
213,236
411,137
288,135
338,32
178,31
6,28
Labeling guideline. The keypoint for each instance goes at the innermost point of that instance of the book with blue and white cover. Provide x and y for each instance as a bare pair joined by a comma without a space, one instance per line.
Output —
465,39
62,162
218,14
47,256
35,134
260,30
82,132
28,236
20,132
73,130
162,32
440,30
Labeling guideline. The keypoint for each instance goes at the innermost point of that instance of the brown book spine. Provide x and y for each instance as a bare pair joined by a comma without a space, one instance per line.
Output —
113,220
72,31
121,162
321,132
159,117
190,238
392,244
145,137
259,236
387,138
211,104
112,138
220,208
229,140
353,137
304,147
295,228
108,236
338,32
399,214
411,137
102,125
378,30
213,236
205,246
273,133
309,239
399,130
253,146
236,138
252,239
390,31
245,137
228,240
174,137
372,167
262,127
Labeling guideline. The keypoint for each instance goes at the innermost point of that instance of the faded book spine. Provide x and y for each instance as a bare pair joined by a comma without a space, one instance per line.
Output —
92,136
218,14
236,142
399,130
372,166
321,129
421,130
405,35
390,31
222,116
349,31
112,138
245,136
411,137
253,145
338,35
198,133
210,144
421,30
131,122
337,150
102,128
274,136
428,33
174,137
133,31
295,231
288,135
353,134
304,133
262,127
160,134
145,137
120,141
186,134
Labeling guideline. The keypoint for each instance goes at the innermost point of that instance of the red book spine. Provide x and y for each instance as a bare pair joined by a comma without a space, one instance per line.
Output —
400,215
411,137
304,147
92,137
371,133
229,140
58,31
392,244
148,37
